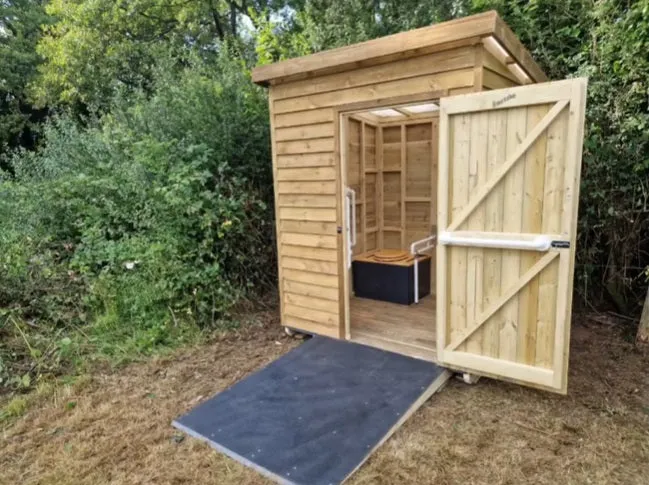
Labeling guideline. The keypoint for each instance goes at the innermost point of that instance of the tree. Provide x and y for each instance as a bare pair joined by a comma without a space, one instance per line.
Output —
99,47
20,22
315,25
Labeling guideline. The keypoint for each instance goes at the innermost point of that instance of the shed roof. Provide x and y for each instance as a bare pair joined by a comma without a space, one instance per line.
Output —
485,27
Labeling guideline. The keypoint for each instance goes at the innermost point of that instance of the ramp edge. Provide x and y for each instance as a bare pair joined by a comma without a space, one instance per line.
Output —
235,456
434,387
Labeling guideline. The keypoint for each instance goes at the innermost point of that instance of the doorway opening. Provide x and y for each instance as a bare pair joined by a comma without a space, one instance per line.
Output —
389,172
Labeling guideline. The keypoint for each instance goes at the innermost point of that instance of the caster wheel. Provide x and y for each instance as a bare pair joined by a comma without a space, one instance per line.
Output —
289,332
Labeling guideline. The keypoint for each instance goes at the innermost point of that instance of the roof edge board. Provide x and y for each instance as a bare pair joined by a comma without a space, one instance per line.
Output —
434,38
399,44
505,35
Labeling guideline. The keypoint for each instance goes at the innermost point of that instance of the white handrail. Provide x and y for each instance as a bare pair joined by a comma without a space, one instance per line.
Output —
539,243
414,250
350,218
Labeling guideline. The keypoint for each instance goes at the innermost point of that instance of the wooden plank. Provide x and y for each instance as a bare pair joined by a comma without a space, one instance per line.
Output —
329,281
311,302
315,145
495,65
306,117
476,221
278,230
418,66
494,215
517,51
321,254
316,188
518,150
306,160
341,127
494,80
503,299
478,67
307,173
421,84
309,240
532,213
310,327
442,256
308,227
303,132
325,267
555,165
513,187
318,316
459,182
519,373
433,175
553,92
401,44
307,214
572,178
305,201
312,290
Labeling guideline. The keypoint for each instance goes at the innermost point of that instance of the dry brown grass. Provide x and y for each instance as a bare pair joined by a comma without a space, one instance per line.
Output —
493,433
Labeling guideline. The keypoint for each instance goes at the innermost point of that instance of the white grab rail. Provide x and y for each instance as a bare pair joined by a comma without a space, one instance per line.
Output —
427,244
538,243
350,218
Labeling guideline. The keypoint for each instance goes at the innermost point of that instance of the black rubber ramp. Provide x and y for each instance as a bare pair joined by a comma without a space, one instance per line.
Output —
314,415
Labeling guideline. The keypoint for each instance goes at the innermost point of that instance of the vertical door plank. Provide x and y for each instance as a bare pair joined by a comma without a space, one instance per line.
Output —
512,184
459,182
475,222
494,208
551,224
532,219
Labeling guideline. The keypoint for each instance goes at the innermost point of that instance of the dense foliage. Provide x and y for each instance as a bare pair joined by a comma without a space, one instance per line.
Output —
144,212
143,224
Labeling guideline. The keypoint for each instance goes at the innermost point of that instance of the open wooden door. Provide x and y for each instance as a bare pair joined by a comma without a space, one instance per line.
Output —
509,168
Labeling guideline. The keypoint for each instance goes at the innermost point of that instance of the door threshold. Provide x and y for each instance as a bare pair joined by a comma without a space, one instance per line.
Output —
417,352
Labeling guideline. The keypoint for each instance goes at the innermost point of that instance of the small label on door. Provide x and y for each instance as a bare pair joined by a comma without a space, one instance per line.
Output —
560,244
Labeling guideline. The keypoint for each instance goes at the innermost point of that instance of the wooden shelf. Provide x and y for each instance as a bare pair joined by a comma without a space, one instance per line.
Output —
371,170
391,229
418,199
391,170
419,142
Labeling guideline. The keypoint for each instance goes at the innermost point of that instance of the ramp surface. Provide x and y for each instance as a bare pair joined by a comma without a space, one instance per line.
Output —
315,415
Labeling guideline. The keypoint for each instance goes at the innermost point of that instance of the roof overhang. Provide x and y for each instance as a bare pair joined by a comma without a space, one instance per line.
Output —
482,28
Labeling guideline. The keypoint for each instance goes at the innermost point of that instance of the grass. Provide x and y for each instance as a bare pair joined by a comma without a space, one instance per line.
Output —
118,431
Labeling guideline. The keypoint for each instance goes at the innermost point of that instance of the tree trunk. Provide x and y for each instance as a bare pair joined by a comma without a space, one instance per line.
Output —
642,337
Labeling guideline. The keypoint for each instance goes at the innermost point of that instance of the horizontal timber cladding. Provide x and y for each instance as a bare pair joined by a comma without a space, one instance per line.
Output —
420,84
307,178
303,160
302,132
417,66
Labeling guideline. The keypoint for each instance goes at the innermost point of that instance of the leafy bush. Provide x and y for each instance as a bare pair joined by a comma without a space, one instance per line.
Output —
151,221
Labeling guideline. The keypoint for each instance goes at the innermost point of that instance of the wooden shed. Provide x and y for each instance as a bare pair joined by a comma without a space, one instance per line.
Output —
426,190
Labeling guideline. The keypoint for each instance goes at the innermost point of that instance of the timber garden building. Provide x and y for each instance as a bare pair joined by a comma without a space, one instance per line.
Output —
426,190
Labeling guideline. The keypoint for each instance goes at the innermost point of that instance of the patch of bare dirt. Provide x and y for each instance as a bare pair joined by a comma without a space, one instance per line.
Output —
119,430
